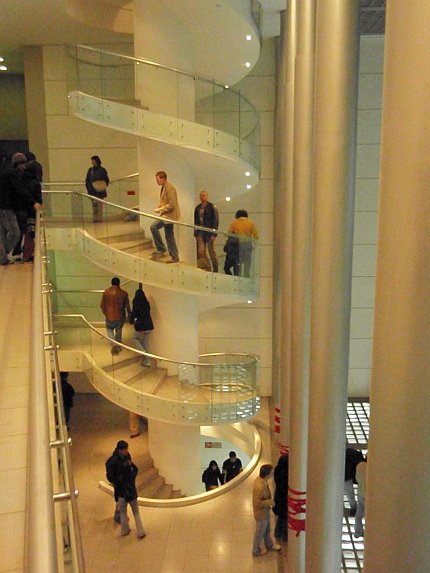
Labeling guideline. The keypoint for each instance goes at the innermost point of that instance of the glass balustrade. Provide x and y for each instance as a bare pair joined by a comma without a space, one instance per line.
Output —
221,388
122,92
123,244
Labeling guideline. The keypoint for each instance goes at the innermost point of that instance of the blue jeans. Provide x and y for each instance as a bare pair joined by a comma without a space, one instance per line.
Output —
114,329
9,233
125,529
141,338
262,532
170,238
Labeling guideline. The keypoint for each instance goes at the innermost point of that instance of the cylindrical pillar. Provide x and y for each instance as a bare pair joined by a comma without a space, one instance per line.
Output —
301,269
285,196
175,449
336,70
398,488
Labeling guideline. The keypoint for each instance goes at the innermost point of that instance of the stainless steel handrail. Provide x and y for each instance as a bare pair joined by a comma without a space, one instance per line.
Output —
82,183
243,238
42,552
190,75
252,357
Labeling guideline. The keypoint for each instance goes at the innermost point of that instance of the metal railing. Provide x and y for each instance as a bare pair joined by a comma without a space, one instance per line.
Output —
221,388
193,101
65,209
52,541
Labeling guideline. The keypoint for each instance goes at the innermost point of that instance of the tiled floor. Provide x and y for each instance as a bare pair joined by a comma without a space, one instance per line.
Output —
214,536
15,310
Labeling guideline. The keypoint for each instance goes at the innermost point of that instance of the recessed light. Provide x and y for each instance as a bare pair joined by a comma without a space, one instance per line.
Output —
247,173
228,198
248,37
248,186
247,65
3,68
249,301
1,59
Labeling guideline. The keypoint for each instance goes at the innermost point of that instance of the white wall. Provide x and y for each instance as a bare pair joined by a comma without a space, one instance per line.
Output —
248,327
366,205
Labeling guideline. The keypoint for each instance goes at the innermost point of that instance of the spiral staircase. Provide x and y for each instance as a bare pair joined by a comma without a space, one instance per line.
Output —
217,137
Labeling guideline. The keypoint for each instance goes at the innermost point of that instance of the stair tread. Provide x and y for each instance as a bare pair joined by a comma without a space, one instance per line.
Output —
152,488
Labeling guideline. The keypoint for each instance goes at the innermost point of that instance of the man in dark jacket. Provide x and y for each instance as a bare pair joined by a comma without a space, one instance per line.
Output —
12,193
122,472
280,508
96,182
206,215
352,459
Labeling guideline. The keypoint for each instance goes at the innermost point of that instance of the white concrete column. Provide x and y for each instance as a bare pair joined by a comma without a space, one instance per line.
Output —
176,452
284,198
398,489
301,266
337,42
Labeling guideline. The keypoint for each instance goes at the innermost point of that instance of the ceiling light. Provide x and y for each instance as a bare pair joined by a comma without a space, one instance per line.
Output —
248,37
228,198
1,59
248,186
247,64
249,301
3,68
247,173
226,87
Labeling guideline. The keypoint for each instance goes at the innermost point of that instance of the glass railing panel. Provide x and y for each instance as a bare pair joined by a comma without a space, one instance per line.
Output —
123,245
138,83
221,388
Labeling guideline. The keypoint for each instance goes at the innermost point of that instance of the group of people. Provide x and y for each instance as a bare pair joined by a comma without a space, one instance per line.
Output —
238,249
20,197
115,305
212,476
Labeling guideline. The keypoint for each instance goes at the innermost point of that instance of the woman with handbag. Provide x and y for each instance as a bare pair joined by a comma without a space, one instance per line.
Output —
96,183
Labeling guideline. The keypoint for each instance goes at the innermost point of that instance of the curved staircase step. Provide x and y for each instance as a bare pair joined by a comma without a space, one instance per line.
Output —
152,489
146,477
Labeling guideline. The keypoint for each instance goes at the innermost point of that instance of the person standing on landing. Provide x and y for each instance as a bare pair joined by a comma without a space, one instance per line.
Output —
262,503
206,215
96,183
168,208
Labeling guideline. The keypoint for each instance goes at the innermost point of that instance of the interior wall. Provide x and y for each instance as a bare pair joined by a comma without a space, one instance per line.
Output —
248,327
366,207
71,141
13,116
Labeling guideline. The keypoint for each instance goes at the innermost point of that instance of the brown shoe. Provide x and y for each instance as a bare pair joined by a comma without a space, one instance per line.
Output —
172,261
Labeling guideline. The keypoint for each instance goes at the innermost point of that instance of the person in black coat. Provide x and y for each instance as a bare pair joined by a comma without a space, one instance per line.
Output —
122,472
280,508
96,182
212,476
206,215
68,393
141,318
352,459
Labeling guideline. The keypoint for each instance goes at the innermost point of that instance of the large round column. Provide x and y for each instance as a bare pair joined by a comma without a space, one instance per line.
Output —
162,38
284,216
301,269
398,490
336,70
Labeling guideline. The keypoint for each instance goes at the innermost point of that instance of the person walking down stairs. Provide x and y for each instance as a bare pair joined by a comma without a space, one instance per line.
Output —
115,306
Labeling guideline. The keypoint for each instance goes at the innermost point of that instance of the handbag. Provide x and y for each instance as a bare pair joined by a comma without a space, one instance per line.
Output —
99,185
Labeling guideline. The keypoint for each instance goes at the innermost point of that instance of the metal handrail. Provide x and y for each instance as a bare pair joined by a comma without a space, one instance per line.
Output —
243,238
41,552
185,73
252,357
82,183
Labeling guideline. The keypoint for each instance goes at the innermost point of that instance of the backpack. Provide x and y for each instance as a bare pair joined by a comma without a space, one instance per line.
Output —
111,469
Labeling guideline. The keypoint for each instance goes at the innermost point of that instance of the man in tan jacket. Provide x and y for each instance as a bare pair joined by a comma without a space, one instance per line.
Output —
262,503
168,208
